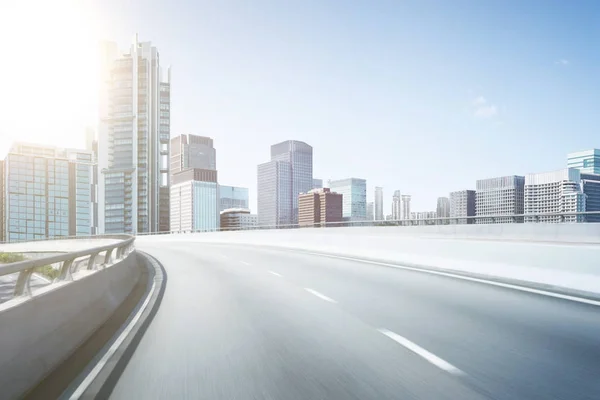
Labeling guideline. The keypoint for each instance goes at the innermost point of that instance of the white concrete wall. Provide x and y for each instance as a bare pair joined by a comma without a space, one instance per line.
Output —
561,255
38,333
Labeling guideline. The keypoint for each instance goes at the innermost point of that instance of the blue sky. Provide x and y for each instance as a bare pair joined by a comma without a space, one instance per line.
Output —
421,96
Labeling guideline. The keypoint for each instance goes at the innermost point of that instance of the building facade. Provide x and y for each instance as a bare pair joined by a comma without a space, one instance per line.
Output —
46,192
462,204
319,207
192,151
423,217
443,209
233,197
195,201
300,157
587,161
405,206
354,192
591,188
274,192
396,205
235,219
378,206
554,192
504,195
317,183
134,140
370,213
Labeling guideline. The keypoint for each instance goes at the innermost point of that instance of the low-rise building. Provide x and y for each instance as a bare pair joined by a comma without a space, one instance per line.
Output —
235,219
319,206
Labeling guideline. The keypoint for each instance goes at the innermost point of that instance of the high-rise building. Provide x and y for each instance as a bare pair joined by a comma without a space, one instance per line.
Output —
504,195
300,157
587,161
233,197
354,192
274,191
134,139
396,206
370,213
317,183
91,145
2,203
405,206
462,204
443,209
378,210
235,219
319,207
281,180
46,192
192,151
554,192
195,200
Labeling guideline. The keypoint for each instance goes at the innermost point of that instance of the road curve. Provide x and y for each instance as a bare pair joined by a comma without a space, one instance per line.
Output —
248,323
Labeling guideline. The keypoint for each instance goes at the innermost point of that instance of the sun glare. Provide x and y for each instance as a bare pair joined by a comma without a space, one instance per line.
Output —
49,72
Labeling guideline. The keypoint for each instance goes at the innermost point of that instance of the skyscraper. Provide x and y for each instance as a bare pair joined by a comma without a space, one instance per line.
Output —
370,213
354,192
554,192
133,135
317,183
405,206
462,204
281,180
195,200
587,161
443,209
274,191
47,192
396,206
300,157
192,151
378,207
500,196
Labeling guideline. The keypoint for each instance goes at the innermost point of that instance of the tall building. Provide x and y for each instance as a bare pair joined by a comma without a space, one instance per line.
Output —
317,183
235,219
405,206
2,203
232,197
91,145
554,192
462,204
46,192
504,195
370,213
587,161
354,192
396,205
443,209
134,139
378,207
195,200
274,191
319,207
192,151
281,180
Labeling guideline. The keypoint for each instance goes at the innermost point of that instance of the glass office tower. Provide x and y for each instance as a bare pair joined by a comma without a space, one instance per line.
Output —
354,200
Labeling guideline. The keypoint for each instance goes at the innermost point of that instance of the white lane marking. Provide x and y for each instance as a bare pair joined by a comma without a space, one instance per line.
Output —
468,278
275,273
432,358
245,263
320,295
98,367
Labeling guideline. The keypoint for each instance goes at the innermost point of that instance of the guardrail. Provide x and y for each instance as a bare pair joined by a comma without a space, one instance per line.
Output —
70,262
564,217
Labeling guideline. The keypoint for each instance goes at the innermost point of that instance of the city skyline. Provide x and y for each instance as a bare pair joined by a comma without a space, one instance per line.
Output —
503,97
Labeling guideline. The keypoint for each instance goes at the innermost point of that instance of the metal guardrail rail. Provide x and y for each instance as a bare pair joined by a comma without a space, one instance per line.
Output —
70,262
565,217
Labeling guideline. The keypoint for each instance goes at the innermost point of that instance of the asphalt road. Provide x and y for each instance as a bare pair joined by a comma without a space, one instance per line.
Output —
249,323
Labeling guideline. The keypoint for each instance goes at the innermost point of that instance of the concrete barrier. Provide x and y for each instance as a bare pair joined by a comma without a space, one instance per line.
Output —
557,255
38,333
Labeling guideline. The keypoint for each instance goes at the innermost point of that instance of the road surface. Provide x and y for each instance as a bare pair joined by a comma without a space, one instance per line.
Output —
248,323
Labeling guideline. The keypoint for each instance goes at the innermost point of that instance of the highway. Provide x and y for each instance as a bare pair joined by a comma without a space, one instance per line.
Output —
249,323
